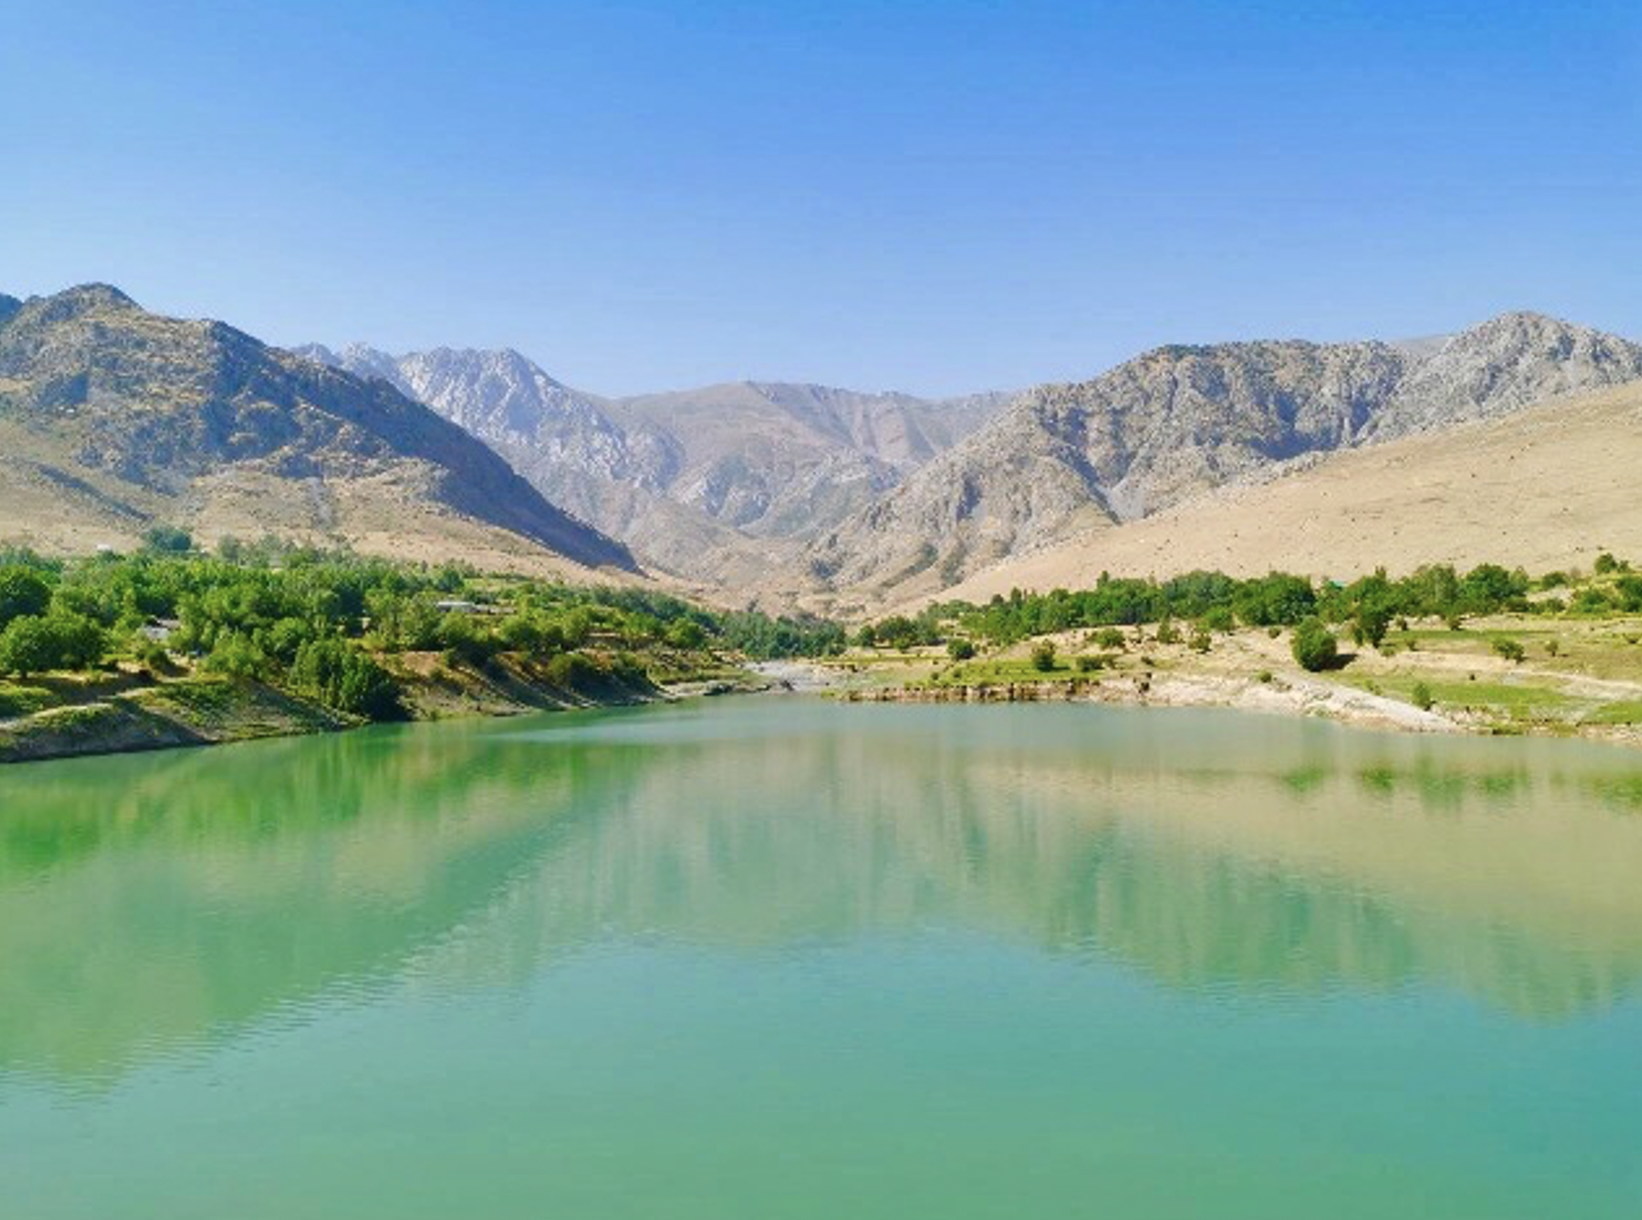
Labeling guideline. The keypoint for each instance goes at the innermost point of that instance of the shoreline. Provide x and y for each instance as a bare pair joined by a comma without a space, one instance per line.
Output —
1282,696
221,712
198,713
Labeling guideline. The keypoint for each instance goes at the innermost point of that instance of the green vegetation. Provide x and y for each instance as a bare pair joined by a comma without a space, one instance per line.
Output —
1313,646
337,630
1216,602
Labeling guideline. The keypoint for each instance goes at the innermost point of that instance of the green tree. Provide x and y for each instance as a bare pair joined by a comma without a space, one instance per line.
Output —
34,643
1371,622
1314,646
959,648
1043,656
22,591
167,540
342,678
1422,697
687,634
78,642
1511,650
27,646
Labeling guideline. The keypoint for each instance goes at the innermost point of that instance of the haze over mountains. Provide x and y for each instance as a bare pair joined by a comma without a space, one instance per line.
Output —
113,419
714,482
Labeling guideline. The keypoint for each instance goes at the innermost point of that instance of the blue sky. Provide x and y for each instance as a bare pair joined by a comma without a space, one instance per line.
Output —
932,197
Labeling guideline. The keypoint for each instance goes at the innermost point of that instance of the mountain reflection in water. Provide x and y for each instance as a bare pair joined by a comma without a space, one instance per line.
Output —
153,904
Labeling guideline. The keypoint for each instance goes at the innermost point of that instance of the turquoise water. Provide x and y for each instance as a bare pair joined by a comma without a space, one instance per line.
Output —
784,958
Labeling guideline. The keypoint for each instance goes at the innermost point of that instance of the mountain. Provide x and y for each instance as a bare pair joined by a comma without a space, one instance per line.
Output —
112,417
717,482
1544,487
1179,421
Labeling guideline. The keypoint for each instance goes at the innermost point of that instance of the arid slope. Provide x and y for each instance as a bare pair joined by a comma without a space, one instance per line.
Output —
1546,487
113,418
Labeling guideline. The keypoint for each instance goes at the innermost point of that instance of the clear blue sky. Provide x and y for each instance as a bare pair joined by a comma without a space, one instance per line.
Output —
933,197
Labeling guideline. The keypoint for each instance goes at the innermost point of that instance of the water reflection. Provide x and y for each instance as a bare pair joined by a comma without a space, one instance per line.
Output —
151,904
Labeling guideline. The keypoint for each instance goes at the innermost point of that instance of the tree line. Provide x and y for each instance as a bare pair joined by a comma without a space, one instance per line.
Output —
1366,607
321,623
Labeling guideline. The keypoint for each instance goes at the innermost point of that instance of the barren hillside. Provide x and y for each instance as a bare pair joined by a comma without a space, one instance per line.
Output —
1549,486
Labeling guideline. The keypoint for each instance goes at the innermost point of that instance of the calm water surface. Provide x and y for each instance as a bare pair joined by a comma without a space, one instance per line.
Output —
781,958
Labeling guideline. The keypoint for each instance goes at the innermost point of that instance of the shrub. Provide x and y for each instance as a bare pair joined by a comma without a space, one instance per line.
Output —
571,670
1421,697
1168,633
1511,650
1628,590
1110,638
1552,647
1090,664
687,634
1200,641
1591,601
960,649
1043,656
1263,676
1605,563
1313,646
463,640
1219,619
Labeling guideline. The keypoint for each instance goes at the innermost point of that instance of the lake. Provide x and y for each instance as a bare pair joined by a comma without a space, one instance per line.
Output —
779,957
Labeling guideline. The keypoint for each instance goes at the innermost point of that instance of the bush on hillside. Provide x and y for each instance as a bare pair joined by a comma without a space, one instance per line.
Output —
1313,646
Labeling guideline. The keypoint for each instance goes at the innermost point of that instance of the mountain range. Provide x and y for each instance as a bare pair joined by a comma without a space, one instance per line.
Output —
113,419
1176,422
711,483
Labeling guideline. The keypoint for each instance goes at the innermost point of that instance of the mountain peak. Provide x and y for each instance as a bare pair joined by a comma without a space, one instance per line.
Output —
91,296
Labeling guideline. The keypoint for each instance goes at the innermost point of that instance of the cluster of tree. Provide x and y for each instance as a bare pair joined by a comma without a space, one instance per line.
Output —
322,623
1216,602
38,632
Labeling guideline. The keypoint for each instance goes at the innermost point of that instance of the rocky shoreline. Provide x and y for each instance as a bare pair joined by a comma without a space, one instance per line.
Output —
1279,696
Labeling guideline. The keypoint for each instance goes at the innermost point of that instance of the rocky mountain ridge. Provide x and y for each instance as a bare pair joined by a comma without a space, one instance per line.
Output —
130,415
1180,420
719,481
